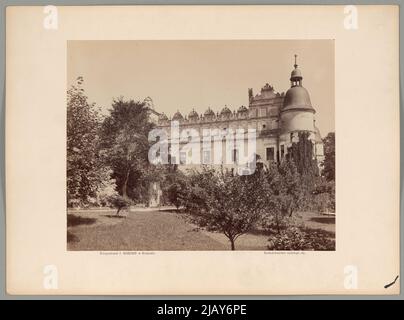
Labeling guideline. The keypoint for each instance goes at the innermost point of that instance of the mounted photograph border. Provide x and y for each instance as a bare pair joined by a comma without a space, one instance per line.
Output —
81,3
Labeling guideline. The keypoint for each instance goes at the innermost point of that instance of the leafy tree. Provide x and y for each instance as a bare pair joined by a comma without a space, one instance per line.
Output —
290,188
120,203
84,168
323,195
285,194
107,190
329,157
125,146
302,154
174,186
173,194
224,202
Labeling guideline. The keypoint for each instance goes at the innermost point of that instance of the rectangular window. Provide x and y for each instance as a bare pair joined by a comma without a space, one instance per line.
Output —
253,113
235,156
270,154
206,157
282,151
183,157
273,112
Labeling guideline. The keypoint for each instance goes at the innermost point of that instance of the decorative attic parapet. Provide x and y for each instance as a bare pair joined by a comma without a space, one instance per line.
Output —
208,116
259,100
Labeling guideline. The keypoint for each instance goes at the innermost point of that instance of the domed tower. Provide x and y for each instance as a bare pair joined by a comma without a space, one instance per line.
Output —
297,113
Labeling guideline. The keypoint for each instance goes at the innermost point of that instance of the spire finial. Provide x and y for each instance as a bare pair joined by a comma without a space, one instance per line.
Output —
295,65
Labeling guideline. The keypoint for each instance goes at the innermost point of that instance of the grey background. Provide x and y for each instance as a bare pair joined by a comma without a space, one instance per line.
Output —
4,4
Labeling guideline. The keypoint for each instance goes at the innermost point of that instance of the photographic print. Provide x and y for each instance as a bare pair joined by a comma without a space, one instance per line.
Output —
201,145
202,150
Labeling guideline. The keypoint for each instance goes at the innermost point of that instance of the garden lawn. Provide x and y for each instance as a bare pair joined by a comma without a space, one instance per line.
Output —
102,230
138,231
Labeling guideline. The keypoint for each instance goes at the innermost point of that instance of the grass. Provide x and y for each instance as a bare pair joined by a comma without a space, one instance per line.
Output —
146,231
75,220
163,230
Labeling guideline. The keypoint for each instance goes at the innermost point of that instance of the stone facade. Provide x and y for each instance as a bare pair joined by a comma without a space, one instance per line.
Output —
276,117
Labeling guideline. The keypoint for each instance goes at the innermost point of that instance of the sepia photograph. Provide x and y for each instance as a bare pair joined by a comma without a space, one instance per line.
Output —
202,150
201,145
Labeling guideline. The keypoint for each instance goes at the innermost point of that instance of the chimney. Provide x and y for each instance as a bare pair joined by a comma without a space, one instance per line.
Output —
250,94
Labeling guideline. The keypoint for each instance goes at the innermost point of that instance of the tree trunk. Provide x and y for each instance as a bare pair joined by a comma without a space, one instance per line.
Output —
232,244
117,213
277,225
125,185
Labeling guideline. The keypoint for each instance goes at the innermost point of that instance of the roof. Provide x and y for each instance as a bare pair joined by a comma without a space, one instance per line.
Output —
242,109
297,98
209,112
225,110
178,116
296,74
193,114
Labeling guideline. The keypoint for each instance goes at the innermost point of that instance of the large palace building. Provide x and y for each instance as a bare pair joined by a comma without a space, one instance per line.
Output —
276,117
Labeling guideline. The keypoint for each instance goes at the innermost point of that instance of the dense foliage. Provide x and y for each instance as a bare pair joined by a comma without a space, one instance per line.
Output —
285,195
85,171
107,157
297,239
124,146
222,201
233,205
329,153
119,203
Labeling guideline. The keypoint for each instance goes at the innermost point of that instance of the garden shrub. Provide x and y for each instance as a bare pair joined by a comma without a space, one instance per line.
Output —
297,239
120,203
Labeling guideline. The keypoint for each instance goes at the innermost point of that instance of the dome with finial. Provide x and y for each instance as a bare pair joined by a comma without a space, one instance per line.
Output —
296,74
163,117
209,112
225,111
242,109
297,97
193,115
178,116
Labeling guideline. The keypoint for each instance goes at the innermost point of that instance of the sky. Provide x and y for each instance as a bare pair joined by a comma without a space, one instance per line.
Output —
185,75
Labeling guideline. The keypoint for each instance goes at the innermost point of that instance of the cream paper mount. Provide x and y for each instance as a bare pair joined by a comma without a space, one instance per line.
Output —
186,57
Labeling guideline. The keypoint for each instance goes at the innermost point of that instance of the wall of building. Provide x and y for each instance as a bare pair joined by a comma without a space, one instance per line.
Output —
296,120
274,129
